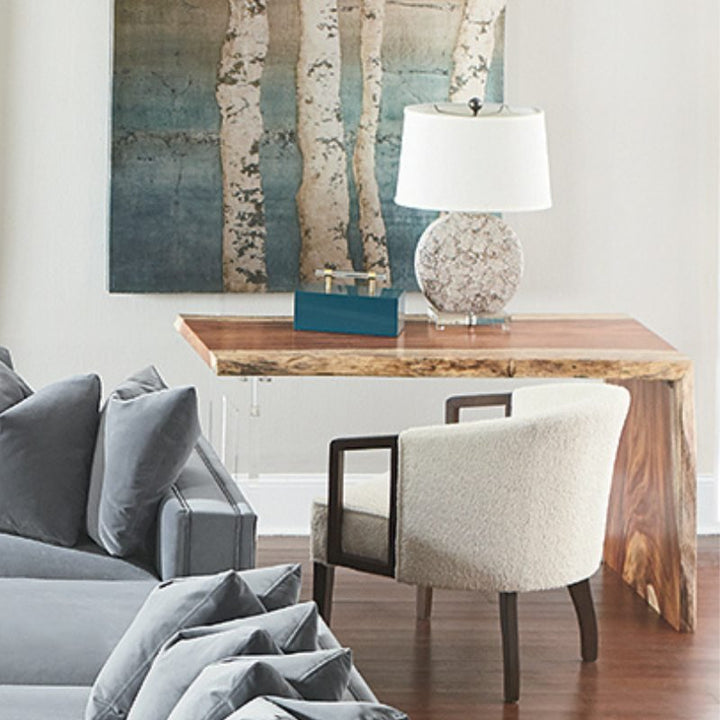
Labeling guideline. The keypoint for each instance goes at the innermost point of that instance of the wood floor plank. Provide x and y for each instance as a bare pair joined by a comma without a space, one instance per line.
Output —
450,668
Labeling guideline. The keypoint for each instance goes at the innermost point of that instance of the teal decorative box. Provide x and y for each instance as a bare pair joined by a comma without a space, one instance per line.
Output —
349,309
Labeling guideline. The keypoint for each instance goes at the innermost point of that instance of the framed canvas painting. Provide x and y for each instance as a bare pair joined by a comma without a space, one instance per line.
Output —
254,141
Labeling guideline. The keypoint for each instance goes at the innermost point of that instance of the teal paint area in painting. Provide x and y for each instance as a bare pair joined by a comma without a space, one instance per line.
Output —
166,186
166,224
281,171
166,216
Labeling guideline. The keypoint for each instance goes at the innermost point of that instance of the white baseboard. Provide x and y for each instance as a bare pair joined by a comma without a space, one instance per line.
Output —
708,506
283,502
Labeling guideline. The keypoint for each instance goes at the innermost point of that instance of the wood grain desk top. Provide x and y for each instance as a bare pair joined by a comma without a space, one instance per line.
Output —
535,346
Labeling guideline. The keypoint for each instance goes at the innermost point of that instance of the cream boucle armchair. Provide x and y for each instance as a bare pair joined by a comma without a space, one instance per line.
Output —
507,505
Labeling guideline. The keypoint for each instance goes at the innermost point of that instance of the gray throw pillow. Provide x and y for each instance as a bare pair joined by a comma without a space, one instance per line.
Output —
226,686
170,607
276,587
184,656
214,697
147,441
46,446
13,389
262,708
293,629
289,709
145,381
5,357
181,660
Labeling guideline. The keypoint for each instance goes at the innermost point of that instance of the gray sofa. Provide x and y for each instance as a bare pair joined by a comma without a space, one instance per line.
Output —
62,610
55,636
204,525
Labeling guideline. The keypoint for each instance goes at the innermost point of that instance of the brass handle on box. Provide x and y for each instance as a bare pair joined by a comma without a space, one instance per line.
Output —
329,274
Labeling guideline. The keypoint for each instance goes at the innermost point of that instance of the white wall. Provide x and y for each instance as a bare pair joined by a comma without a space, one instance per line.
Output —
631,93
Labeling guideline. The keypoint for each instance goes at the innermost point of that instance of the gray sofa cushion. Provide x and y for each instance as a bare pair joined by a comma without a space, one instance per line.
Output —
145,381
46,447
69,645
60,632
227,685
146,441
30,702
276,708
184,656
170,607
13,389
23,557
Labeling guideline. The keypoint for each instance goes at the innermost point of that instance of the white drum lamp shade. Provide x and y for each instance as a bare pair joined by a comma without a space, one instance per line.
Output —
453,161
471,161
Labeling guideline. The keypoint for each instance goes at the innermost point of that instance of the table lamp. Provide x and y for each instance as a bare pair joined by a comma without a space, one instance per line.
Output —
471,161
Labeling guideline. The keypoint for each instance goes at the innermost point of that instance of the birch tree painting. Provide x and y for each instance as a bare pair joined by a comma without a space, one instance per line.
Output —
241,131
474,49
372,225
255,141
323,200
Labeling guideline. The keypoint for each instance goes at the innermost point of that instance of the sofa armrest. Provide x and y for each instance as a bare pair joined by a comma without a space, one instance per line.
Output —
205,524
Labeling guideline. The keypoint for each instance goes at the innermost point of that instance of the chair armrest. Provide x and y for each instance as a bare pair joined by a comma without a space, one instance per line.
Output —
204,524
336,485
454,404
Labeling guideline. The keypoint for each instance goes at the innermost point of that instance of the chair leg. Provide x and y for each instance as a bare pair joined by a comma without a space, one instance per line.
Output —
423,602
323,581
510,643
585,610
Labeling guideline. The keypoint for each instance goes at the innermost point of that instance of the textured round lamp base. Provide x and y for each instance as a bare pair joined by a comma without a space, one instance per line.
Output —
468,263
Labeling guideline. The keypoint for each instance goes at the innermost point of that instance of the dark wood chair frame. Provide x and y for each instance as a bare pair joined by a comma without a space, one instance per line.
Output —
324,574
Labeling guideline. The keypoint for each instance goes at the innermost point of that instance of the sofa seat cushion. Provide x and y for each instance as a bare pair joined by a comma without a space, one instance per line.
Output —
24,557
60,632
172,606
365,520
30,702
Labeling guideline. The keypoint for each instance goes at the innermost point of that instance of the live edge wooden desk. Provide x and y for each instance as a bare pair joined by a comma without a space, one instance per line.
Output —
650,539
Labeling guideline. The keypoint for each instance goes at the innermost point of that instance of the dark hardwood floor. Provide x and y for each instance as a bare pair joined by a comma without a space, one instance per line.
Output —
450,667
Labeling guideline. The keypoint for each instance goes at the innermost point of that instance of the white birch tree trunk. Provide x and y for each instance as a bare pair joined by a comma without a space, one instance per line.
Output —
241,130
474,49
323,199
372,225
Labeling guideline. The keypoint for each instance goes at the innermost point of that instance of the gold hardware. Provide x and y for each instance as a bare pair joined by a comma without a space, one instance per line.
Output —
328,274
